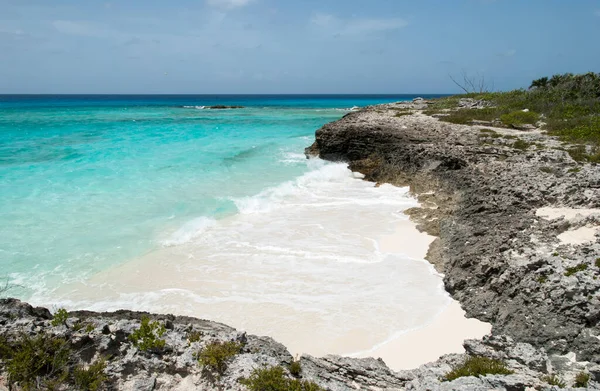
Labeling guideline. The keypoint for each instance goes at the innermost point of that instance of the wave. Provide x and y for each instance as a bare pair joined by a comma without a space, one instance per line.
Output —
189,231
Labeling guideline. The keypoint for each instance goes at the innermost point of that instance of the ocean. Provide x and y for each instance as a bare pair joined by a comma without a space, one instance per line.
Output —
157,203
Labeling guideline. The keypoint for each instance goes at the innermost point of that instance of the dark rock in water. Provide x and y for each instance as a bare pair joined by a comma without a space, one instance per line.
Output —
222,107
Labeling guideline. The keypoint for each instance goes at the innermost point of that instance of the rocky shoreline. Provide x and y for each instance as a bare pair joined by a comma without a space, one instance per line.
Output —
482,191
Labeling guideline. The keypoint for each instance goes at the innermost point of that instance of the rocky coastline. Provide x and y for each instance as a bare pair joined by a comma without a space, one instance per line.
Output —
488,194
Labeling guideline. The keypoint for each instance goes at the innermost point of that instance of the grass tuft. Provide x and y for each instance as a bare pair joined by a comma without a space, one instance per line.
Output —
519,118
274,379
295,368
554,380
582,379
478,366
575,269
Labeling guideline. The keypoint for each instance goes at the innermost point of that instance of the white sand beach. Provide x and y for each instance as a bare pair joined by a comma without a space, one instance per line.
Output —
328,264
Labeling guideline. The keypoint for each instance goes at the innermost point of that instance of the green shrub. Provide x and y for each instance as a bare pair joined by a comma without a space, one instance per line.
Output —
274,379
147,337
597,263
521,145
582,379
194,336
41,360
554,380
575,269
216,355
478,366
91,378
295,368
542,279
520,117
60,317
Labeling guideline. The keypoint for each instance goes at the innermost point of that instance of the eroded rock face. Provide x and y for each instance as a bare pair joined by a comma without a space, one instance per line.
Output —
502,262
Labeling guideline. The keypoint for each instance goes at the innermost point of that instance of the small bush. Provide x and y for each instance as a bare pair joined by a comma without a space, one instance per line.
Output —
60,317
521,145
31,362
274,379
582,379
597,263
194,336
216,355
518,118
478,366
147,337
92,378
542,279
576,269
554,380
295,368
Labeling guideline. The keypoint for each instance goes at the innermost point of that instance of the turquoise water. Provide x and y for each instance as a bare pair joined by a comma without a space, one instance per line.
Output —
88,182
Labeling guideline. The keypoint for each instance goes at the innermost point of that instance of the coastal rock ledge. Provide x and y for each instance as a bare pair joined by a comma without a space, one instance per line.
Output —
513,252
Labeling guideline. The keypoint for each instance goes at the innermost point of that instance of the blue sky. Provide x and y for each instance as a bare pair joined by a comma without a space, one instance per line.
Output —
285,46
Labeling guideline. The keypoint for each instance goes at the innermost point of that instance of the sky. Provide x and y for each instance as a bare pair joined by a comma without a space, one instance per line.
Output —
290,46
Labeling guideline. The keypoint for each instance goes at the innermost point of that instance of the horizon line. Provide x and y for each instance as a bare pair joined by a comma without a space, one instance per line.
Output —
220,94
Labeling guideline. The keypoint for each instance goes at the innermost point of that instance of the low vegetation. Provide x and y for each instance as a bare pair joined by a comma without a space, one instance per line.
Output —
565,105
478,366
274,379
582,379
60,317
555,380
194,336
216,355
46,362
148,336
575,269
295,368
90,378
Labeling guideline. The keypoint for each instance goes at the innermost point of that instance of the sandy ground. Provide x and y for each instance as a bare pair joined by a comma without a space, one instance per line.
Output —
576,236
444,335
340,282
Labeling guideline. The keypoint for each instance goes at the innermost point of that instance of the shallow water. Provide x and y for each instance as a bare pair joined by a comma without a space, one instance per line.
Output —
160,205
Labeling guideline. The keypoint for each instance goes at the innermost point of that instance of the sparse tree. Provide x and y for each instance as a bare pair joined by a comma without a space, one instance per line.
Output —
472,84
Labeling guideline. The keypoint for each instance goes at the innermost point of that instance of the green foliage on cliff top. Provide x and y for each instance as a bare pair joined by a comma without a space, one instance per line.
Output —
568,105
47,362
478,366
148,336
274,379
216,355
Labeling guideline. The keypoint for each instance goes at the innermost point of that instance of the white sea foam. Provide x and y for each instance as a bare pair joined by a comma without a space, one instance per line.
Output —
299,262
195,107
190,230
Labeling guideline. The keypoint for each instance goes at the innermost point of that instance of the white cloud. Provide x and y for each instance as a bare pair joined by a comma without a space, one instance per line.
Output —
356,26
228,4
